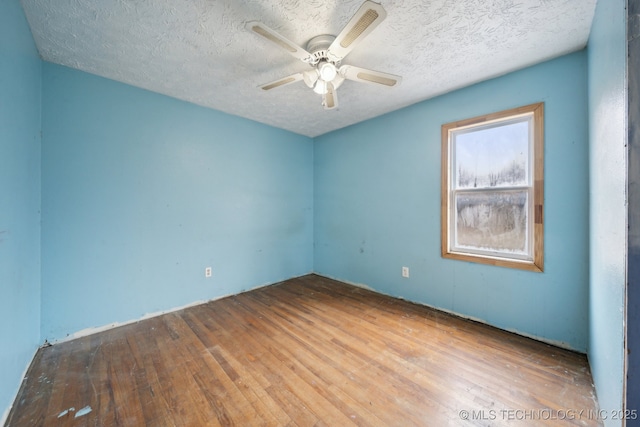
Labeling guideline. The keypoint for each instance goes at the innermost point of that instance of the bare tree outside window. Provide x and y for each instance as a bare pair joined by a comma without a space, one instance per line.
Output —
492,189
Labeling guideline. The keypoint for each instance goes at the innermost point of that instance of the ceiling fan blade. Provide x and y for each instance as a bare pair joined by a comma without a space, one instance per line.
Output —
282,82
363,75
294,50
330,99
366,19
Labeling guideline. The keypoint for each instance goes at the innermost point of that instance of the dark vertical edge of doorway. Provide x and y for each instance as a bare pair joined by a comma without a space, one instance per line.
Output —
633,209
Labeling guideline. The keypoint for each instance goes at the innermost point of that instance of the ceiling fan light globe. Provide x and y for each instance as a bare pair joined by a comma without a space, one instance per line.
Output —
327,71
310,77
321,87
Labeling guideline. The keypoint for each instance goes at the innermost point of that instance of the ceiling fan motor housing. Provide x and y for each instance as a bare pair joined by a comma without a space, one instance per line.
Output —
318,47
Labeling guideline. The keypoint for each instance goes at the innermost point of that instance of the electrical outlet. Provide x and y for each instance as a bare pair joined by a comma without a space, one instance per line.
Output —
405,271
207,272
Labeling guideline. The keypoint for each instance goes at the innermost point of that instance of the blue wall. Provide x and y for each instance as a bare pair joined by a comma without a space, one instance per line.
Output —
377,207
607,149
141,192
20,80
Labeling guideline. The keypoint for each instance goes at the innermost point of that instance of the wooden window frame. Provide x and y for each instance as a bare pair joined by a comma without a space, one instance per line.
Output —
535,260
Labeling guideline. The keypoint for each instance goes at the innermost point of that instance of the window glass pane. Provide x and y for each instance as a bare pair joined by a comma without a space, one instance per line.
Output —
492,221
496,156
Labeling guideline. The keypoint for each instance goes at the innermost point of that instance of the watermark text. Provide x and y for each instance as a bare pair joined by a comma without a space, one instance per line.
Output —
546,414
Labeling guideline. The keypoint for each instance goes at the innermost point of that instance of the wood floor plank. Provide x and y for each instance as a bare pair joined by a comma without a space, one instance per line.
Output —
251,386
57,406
307,352
34,401
354,370
291,374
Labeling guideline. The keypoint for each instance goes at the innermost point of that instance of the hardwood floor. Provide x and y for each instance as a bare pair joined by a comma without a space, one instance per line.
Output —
306,352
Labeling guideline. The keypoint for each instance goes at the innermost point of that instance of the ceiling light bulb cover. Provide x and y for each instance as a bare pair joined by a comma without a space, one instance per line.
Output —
321,87
327,71
310,77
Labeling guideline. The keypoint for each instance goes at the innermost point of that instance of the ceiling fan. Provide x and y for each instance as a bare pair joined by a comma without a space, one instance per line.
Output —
325,52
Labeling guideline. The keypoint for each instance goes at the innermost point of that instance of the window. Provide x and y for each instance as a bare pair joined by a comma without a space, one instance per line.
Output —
493,189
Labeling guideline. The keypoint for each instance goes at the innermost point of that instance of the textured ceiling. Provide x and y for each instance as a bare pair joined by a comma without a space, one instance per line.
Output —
199,50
